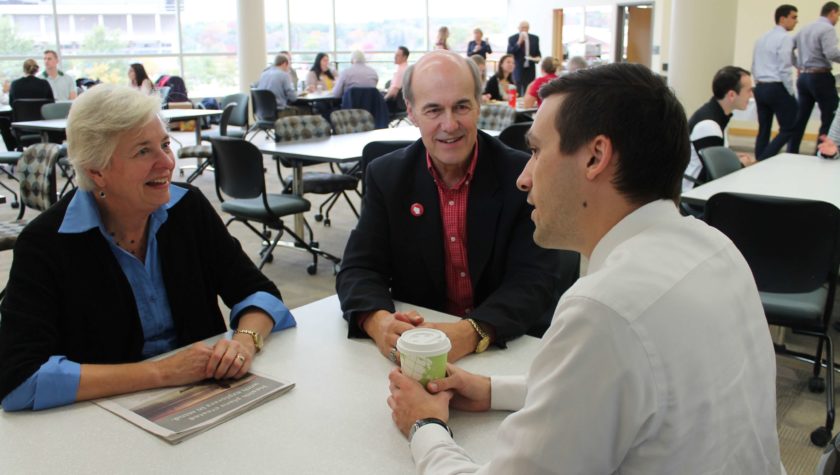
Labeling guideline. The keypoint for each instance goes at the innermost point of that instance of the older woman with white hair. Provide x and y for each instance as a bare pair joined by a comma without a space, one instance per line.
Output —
127,267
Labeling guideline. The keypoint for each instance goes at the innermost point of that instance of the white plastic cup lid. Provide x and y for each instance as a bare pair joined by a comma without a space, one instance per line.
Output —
424,342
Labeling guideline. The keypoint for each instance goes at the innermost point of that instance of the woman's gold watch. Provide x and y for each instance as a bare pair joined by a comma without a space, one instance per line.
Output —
258,339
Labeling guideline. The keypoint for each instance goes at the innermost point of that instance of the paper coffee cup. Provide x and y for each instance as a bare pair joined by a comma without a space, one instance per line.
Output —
423,354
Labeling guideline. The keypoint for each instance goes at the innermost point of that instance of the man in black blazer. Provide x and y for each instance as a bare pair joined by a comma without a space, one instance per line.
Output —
525,49
443,226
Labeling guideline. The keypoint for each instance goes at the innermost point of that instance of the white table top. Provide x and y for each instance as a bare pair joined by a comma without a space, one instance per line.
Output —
335,420
170,114
42,125
317,96
786,175
187,114
344,147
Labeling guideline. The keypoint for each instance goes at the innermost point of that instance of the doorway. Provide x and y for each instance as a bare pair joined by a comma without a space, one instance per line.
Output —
635,34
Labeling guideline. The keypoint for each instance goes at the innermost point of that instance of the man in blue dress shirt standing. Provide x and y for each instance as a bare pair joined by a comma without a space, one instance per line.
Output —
815,47
774,94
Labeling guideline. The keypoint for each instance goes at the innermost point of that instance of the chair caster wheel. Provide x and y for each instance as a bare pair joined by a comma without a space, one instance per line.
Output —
816,384
312,269
319,218
15,205
327,222
314,244
820,436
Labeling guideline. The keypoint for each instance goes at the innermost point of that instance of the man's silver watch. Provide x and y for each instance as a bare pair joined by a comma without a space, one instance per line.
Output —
429,420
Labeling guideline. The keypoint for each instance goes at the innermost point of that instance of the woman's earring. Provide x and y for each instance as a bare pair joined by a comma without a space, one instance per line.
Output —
102,194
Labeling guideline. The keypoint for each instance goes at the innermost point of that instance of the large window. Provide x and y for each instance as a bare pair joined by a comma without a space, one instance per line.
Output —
461,18
196,39
587,32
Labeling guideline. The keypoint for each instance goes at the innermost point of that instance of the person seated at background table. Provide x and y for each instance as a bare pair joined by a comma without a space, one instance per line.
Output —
138,79
395,103
443,226
482,69
9,139
358,74
63,84
320,74
29,86
659,360
277,80
127,267
478,45
498,84
548,66
576,63
292,73
4,94
442,38
732,89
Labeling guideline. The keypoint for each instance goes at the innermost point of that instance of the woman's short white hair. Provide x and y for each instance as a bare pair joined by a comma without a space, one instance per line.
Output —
97,119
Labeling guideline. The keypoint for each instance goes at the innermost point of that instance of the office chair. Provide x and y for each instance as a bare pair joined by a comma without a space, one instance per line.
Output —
369,99
36,174
719,161
793,249
204,153
374,150
265,111
55,110
24,110
496,117
304,127
514,136
239,176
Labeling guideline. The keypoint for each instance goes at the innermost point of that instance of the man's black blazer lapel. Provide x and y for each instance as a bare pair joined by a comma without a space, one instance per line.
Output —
483,212
427,229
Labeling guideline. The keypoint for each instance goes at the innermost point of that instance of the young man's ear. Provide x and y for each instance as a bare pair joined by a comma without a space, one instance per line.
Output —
601,155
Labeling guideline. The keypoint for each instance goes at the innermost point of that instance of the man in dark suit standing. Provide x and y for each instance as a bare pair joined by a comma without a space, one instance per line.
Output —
525,49
443,226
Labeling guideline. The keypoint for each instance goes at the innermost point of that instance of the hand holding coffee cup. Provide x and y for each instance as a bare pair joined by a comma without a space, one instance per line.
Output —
423,353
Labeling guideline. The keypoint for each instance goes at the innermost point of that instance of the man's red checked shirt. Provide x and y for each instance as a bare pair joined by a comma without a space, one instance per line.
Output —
453,213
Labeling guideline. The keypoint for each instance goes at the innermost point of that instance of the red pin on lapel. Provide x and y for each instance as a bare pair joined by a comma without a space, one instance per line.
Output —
416,210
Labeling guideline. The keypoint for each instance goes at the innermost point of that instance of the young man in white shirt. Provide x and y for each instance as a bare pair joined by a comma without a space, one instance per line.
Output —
659,360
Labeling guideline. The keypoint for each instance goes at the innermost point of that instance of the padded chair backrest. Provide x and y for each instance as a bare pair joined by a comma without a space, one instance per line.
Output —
791,245
369,99
496,117
514,136
225,120
28,109
238,168
374,150
36,173
239,117
301,127
56,110
349,121
265,104
719,161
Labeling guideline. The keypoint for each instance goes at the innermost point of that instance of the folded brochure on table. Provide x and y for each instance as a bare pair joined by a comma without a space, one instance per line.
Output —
174,414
